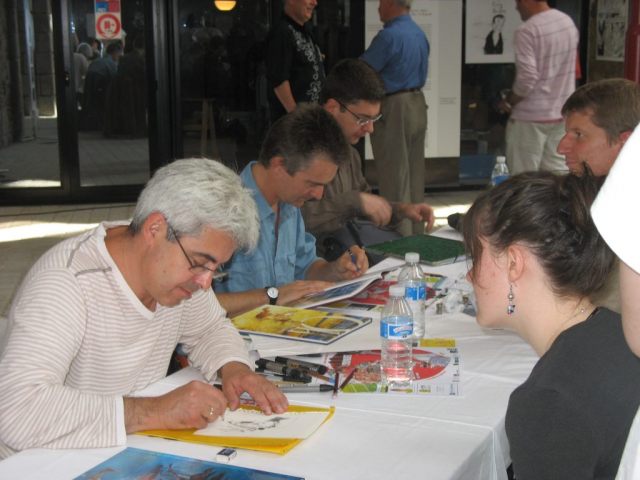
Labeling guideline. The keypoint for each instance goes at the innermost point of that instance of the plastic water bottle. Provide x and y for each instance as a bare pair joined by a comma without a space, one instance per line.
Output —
396,332
413,280
500,171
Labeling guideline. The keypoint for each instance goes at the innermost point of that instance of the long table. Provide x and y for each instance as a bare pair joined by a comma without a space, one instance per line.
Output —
370,436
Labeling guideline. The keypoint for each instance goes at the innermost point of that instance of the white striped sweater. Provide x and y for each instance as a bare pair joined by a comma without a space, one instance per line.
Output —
79,340
546,47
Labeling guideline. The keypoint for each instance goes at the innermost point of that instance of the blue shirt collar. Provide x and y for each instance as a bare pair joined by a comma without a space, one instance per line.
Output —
264,209
400,18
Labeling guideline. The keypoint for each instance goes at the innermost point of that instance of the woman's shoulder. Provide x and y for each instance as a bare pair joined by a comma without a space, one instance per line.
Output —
592,352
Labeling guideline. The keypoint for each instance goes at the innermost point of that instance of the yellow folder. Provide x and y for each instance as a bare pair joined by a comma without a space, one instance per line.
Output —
274,445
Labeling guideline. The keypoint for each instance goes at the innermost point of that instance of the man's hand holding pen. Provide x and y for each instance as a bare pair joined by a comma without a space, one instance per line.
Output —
197,404
352,264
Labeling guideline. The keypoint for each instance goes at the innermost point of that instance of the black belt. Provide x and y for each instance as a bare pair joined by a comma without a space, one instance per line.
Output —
404,90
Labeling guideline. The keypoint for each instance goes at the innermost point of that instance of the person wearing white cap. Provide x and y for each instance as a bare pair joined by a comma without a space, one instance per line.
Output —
610,214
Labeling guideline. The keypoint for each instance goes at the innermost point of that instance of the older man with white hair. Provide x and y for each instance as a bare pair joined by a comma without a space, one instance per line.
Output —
98,317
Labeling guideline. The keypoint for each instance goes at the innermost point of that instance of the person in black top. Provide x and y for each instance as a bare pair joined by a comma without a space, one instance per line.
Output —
293,61
537,258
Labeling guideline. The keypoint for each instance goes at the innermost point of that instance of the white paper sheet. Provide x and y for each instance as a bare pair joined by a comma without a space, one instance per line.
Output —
255,424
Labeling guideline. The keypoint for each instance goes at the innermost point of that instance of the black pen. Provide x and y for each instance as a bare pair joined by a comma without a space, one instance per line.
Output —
305,378
306,388
279,368
313,367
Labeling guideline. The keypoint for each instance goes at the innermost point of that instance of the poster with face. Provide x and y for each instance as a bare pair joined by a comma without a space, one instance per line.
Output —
490,29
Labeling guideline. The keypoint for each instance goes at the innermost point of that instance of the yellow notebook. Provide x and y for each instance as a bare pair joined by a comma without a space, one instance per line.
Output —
274,445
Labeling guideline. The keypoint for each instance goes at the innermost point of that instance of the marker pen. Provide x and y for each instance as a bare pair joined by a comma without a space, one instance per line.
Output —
313,367
280,368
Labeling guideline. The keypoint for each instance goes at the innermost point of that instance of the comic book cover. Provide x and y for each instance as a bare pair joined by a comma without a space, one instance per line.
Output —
299,324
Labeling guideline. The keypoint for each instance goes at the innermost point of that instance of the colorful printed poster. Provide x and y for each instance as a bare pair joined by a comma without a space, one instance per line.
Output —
299,324
436,370
134,463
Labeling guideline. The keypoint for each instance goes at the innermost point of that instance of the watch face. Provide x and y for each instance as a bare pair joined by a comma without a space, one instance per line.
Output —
272,292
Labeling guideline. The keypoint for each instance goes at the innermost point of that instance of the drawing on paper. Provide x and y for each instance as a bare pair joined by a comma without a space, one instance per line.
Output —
611,29
254,424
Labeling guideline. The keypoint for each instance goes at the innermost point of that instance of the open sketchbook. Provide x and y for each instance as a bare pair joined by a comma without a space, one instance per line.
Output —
299,324
250,429
339,291
134,464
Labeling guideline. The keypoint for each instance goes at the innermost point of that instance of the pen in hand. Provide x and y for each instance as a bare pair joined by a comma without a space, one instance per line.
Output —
353,259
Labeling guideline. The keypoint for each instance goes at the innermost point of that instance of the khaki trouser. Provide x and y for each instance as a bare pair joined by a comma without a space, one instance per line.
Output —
398,150
531,146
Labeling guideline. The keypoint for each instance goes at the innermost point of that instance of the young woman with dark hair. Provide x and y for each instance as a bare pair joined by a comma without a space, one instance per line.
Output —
537,258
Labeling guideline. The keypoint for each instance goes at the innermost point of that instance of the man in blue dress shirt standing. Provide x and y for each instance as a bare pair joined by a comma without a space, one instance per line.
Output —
400,54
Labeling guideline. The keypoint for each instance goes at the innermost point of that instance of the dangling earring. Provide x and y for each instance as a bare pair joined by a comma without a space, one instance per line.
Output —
512,306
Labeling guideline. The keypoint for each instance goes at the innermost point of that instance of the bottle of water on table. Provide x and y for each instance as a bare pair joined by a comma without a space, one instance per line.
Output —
413,279
396,332
500,171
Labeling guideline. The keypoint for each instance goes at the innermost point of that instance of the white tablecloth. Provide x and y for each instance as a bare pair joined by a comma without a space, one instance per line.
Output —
370,436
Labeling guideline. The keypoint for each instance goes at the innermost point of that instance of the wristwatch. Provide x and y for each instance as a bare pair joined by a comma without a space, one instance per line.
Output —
272,293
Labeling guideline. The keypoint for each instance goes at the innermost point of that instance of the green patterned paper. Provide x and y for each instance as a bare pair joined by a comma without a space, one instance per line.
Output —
432,250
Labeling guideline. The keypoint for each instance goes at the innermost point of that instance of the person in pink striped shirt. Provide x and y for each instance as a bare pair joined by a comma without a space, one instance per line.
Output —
545,45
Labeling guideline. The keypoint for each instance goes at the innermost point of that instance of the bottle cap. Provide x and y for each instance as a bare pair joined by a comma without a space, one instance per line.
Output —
412,257
501,159
396,290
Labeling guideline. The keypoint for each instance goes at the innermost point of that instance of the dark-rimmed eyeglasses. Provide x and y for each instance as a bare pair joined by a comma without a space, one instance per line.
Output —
362,121
196,269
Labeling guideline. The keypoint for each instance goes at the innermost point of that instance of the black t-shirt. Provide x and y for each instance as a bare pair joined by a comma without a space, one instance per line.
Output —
572,416
292,54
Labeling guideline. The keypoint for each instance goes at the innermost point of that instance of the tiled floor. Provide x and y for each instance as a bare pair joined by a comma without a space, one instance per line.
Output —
27,232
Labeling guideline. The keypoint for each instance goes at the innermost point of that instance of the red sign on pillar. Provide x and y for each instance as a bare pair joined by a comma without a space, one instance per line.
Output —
108,21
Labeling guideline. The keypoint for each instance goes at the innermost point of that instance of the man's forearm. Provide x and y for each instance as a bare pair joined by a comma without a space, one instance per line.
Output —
283,92
241,302
141,414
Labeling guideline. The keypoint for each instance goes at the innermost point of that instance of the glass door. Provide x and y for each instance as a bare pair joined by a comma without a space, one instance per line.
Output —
32,159
109,72
88,121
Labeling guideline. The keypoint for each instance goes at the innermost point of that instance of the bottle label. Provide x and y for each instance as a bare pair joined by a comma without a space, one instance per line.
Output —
415,292
396,331
498,179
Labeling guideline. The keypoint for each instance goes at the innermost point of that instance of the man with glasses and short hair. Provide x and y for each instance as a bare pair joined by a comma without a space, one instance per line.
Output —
300,156
348,213
98,317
